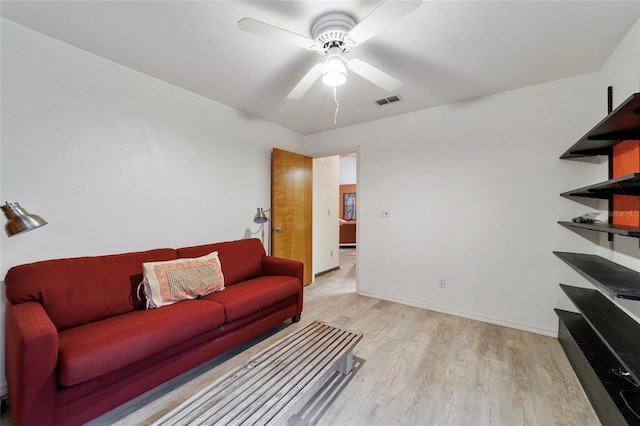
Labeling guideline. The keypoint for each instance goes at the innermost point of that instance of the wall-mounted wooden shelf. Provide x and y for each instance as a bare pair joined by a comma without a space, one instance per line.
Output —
625,185
627,231
603,337
593,363
614,279
614,327
622,124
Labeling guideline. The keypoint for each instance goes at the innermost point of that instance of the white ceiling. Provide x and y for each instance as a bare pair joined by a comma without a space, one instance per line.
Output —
443,52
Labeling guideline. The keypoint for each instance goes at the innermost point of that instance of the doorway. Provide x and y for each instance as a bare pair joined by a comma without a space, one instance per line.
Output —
349,210
348,200
335,200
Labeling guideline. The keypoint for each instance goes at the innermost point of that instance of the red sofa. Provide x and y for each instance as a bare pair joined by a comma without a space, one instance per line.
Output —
79,342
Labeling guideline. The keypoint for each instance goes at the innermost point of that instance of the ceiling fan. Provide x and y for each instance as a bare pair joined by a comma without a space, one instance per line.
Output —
334,35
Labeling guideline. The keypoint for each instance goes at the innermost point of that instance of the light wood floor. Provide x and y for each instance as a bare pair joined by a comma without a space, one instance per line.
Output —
415,367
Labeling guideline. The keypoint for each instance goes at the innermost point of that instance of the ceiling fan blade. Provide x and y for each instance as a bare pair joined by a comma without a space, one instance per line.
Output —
382,16
257,27
374,75
306,82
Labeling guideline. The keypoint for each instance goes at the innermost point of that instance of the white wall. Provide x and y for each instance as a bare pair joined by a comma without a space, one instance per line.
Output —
326,194
621,71
348,170
119,161
473,193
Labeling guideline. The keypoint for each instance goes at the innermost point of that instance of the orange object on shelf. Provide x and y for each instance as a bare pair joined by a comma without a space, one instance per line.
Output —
626,160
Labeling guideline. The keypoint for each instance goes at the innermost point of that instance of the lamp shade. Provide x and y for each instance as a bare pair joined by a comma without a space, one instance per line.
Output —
19,220
334,72
260,217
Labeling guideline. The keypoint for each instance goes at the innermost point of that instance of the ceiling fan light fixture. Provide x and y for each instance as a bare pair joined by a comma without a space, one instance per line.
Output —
334,73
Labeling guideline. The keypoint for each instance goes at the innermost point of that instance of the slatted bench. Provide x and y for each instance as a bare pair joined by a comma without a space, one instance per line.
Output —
274,384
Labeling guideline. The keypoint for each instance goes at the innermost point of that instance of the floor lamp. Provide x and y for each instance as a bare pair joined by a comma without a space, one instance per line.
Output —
262,218
19,220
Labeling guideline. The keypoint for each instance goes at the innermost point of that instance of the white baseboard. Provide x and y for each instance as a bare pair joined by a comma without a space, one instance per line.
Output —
463,314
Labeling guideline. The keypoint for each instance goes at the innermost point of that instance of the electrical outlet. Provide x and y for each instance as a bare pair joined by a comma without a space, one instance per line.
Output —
443,282
331,253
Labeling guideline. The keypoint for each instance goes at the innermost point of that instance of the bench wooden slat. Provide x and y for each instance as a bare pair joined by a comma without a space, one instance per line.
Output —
307,387
273,383
224,391
322,362
264,381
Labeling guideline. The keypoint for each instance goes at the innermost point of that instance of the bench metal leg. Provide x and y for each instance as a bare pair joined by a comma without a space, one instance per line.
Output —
345,365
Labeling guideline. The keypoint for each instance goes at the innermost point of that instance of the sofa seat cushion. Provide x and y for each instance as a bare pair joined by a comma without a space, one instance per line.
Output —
94,349
248,297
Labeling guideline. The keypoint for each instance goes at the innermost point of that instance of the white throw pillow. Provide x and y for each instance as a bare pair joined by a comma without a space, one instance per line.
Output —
175,280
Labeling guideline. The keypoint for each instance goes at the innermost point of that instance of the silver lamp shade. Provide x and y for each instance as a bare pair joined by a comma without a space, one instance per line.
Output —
19,220
260,217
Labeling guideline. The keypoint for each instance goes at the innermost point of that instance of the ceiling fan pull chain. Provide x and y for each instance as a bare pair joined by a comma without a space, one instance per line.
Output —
335,117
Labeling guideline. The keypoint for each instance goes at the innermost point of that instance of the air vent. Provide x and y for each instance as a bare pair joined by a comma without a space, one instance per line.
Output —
389,100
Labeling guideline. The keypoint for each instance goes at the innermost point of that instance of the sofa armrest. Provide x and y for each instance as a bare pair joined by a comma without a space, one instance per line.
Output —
31,355
272,265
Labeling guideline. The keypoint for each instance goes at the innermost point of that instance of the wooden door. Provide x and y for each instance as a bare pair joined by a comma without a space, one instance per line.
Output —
291,208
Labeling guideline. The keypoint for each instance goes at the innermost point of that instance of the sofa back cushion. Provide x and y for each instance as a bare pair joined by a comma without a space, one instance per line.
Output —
240,260
80,290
